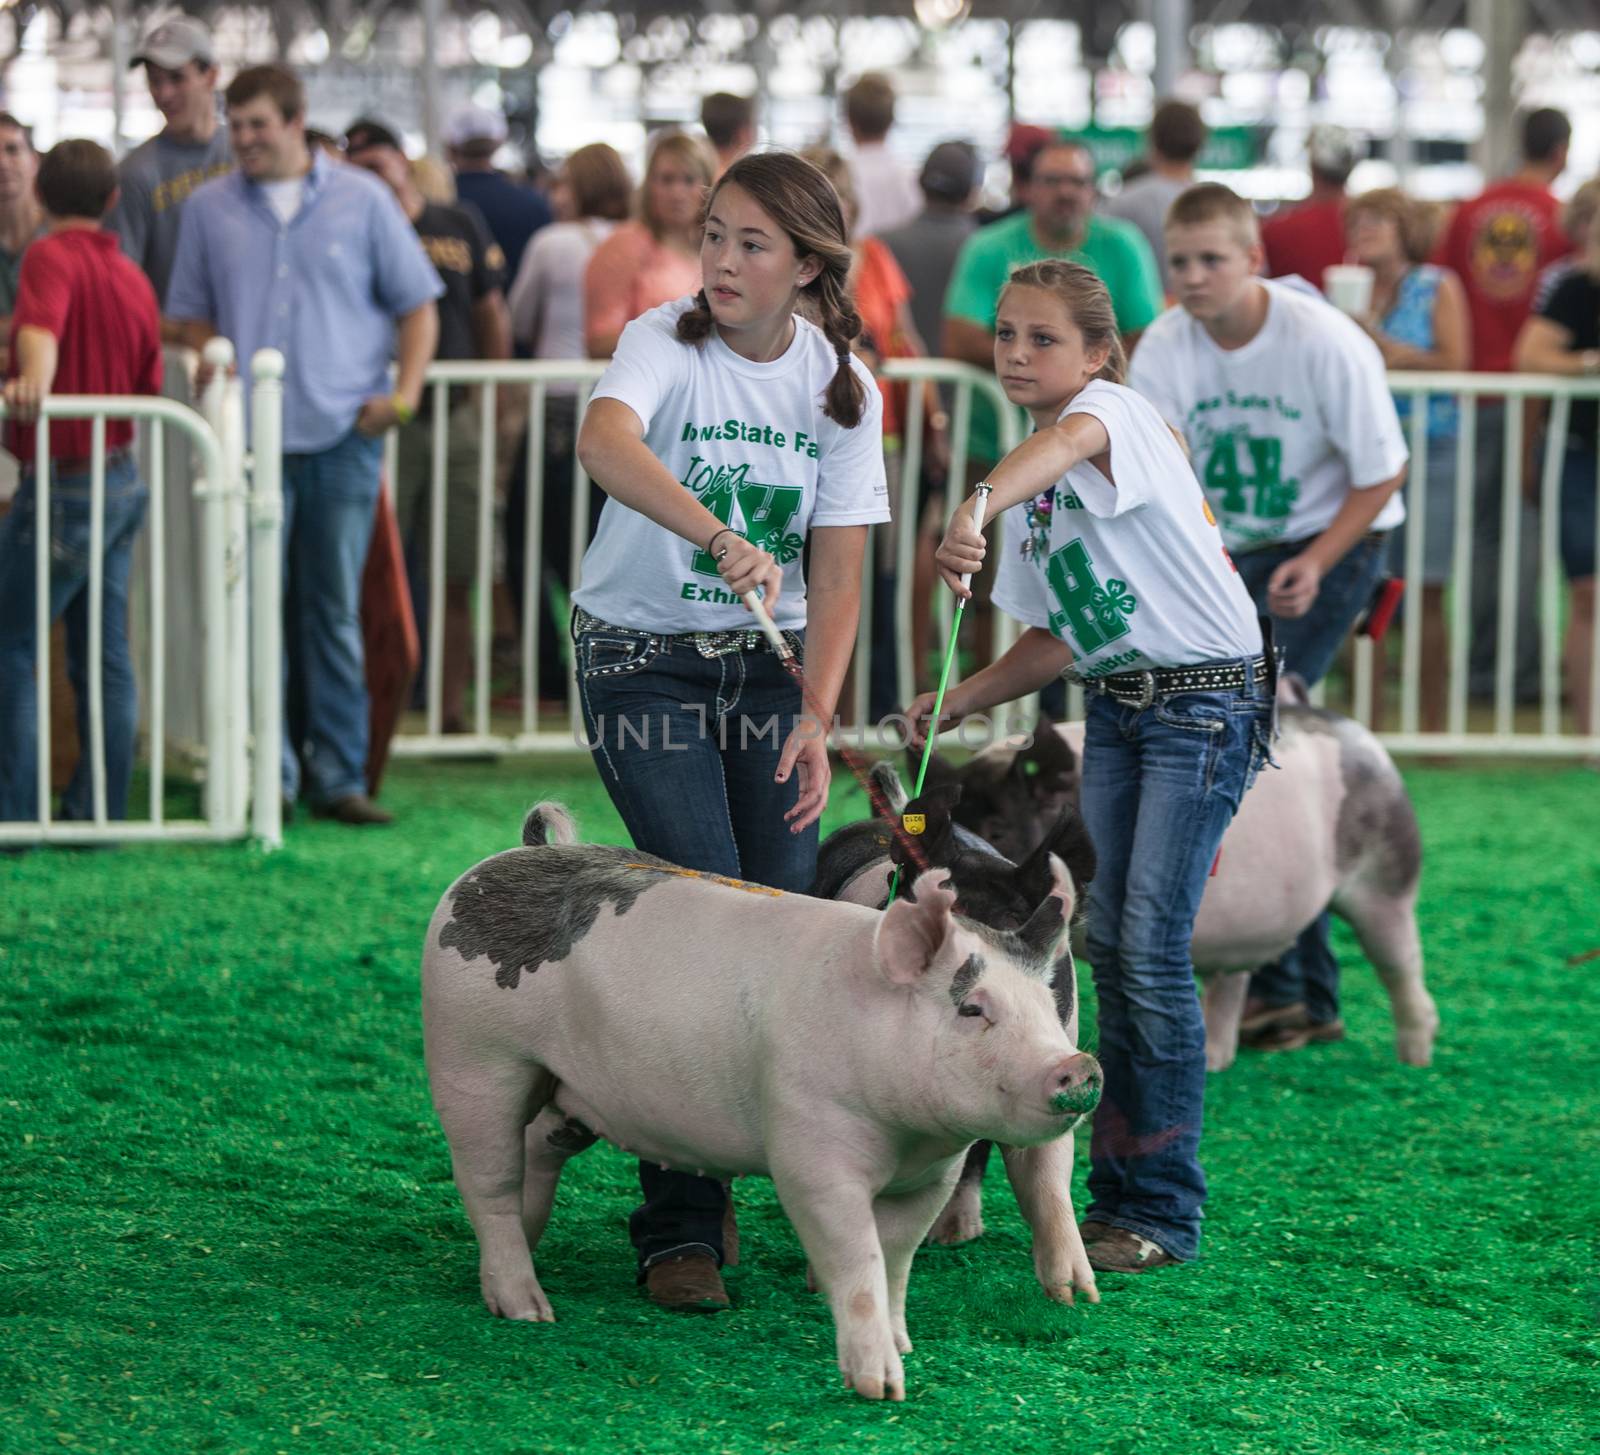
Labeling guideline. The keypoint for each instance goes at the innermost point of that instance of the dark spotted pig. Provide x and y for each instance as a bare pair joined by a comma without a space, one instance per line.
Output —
856,864
572,991
1333,828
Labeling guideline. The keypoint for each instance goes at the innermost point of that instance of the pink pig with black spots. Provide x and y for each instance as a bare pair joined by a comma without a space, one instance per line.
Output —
574,991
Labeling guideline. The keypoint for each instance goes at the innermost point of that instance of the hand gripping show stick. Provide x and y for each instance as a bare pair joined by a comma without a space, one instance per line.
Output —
791,664
978,511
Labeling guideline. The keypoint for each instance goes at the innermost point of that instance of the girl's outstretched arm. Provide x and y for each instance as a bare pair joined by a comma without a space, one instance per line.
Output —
1029,470
1035,658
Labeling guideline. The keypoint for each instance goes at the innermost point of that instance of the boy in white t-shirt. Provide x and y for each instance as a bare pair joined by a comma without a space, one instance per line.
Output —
1288,415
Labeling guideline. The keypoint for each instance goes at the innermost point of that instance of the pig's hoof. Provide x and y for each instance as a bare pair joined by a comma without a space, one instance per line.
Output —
1415,1049
516,1299
960,1222
871,1364
879,1384
1070,1290
1219,1059
902,1341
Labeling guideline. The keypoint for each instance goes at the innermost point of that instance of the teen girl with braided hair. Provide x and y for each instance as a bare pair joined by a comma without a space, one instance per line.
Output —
728,432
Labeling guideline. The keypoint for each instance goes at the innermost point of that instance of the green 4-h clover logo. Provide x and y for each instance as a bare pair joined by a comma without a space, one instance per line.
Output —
1113,599
782,546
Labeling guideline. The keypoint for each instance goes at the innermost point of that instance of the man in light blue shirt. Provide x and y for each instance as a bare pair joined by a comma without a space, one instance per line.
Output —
298,253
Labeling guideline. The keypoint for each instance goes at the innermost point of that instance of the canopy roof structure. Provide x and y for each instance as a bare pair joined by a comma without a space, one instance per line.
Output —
1100,20
412,58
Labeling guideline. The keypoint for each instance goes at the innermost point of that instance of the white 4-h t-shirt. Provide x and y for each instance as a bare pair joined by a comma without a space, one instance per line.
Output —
1133,575
1283,428
751,441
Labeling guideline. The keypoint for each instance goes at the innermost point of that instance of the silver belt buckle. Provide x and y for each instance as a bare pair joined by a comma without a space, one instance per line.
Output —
1147,690
719,644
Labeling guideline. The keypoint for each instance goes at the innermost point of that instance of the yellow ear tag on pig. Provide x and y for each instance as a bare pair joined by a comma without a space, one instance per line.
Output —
914,823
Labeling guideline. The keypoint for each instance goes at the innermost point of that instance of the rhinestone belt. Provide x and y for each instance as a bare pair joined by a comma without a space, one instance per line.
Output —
1140,689
708,644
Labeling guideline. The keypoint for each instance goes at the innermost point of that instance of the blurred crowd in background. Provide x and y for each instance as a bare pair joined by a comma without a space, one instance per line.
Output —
421,261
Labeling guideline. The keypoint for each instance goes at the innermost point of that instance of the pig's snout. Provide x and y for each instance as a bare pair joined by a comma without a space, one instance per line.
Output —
1074,1085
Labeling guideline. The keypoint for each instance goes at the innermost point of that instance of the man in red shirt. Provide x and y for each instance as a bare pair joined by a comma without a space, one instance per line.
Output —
1309,238
1497,244
86,322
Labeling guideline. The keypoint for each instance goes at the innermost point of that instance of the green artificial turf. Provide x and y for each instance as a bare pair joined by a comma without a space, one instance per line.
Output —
227,1223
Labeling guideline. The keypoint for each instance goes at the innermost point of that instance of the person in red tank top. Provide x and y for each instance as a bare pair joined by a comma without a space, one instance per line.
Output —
85,322
1497,244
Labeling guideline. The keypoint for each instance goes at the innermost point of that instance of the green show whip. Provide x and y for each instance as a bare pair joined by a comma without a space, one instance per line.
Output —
978,510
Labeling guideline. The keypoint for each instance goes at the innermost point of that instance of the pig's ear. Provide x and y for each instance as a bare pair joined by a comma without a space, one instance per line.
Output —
911,934
926,821
887,782
1069,841
1047,925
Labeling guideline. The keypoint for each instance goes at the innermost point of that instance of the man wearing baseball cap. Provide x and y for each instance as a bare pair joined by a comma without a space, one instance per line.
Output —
927,246
1309,239
472,135
156,178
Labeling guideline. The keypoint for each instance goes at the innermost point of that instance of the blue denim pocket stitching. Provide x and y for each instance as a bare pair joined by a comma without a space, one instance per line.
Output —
1192,723
638,650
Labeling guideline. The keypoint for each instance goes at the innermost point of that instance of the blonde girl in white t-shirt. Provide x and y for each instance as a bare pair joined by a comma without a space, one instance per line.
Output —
729,433
1116,566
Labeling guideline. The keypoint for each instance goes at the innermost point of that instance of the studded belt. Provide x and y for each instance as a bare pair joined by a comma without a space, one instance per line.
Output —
708,644
1140,689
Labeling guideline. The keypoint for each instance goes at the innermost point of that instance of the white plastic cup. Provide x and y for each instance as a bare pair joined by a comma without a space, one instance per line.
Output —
1348,286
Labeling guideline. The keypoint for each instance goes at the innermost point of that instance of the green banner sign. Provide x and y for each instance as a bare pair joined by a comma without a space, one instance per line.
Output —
1229,148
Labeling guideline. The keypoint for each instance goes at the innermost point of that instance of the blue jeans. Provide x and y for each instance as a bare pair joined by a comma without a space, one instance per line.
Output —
1308,972
69,594
1310,642
330,500
687,746
1578,510
1160,785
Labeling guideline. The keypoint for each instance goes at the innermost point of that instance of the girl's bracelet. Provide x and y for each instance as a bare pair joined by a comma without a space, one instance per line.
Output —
726,530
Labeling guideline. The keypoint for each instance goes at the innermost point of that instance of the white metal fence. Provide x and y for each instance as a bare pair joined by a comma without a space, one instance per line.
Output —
526,732
239,516
1473,726
1504,730
234,575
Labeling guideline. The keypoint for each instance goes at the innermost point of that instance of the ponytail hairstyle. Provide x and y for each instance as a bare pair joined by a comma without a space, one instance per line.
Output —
1088,305
802,202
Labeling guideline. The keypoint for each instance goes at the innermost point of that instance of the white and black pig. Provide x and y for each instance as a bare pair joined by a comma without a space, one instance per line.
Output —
856,864
571,991
1332,828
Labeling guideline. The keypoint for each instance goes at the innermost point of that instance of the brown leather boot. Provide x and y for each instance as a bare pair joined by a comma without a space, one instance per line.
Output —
689,1283
1119,1251
357,810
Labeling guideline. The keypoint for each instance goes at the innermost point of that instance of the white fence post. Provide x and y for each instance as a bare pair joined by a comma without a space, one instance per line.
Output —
213,498
266,593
